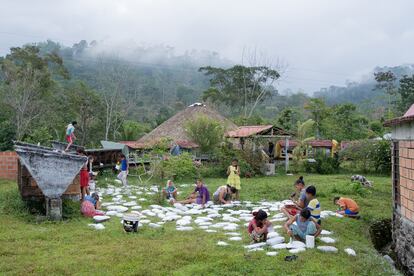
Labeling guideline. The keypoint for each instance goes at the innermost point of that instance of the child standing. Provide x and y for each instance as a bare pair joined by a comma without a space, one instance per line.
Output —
170,192
259,226
305,225
70,134
84,177
314,206
124,171
233,179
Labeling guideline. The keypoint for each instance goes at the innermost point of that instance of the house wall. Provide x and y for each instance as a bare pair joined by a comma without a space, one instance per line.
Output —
403,195
8,165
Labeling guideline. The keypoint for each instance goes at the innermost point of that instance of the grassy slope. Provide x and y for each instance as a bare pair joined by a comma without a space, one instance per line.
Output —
71,247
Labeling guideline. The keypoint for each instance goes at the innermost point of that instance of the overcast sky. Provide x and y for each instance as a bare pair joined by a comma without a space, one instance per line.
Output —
322,42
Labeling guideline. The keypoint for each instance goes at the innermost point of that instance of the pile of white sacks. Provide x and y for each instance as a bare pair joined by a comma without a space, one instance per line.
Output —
230,219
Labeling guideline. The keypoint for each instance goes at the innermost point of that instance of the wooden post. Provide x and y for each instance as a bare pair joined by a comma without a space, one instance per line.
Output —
286,154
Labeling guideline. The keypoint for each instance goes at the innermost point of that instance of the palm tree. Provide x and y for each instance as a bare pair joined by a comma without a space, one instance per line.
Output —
302,137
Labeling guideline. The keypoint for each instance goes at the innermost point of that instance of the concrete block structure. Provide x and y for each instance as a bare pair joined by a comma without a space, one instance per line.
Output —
403,188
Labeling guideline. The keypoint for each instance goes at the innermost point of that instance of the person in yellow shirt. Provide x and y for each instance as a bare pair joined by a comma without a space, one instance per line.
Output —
233,179
348,207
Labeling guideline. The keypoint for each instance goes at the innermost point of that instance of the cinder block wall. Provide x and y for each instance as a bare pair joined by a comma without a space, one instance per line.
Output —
8,165
403,218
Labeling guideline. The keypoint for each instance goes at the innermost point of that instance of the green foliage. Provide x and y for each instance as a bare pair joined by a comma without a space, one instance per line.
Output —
240,87
7,135
352,188
324,164
179,167
225,155
40,136
406,92
288,118
207,133
132,130
302,136
368,156
27,82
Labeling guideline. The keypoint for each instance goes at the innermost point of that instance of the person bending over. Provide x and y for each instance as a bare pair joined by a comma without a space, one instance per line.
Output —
224,194
259,226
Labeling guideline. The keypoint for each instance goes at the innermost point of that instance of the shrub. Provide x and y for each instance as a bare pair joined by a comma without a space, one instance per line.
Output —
179,167
206,132
368,156
323,165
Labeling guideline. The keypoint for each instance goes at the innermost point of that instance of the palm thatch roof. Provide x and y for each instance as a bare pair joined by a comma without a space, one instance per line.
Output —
174,128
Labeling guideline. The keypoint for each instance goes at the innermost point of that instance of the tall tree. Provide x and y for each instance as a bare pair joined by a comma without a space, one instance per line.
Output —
387,81
318,112
27,77
240,87
406,91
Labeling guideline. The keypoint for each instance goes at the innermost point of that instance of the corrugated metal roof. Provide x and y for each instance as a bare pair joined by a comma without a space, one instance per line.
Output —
408,117
246,131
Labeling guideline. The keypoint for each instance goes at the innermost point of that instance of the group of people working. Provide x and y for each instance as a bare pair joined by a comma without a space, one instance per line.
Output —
304,214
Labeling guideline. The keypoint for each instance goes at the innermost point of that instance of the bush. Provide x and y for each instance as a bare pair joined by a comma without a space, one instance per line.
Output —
323,165
368,156
224,156
179,167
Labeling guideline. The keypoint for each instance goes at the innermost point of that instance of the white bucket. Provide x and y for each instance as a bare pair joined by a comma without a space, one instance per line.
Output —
310,241
130,222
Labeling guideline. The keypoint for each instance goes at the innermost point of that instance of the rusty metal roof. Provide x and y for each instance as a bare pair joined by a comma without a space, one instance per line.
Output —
406,118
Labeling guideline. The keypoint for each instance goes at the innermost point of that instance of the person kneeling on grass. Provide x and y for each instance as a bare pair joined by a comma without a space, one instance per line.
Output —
348,207
90,206
224,194
170,192
302,202
305,225
259,226
201,195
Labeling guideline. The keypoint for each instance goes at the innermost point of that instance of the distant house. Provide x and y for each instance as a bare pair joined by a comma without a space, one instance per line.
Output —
174,128
326,147
403,188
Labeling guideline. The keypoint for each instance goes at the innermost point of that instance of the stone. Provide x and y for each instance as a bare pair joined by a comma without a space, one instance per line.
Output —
330,249
272,235
111,213
271,253
350,252
326,232
222,243
296,244
327,240
144,221
255,249
275,240
97,226
154,225
99,219
297,250
118,208
280,246
184,228
235,238
234,234
255,245
230,228
130,204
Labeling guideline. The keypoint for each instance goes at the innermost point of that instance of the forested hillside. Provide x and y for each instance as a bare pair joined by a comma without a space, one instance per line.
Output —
121,92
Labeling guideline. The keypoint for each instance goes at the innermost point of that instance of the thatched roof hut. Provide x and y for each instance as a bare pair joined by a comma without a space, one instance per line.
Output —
174,128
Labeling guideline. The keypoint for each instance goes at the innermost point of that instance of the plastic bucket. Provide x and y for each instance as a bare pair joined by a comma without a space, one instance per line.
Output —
130,222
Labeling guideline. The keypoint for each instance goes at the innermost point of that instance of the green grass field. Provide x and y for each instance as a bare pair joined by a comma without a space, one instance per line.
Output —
71,247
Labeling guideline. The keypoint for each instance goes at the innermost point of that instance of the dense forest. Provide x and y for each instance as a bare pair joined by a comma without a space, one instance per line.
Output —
120,93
